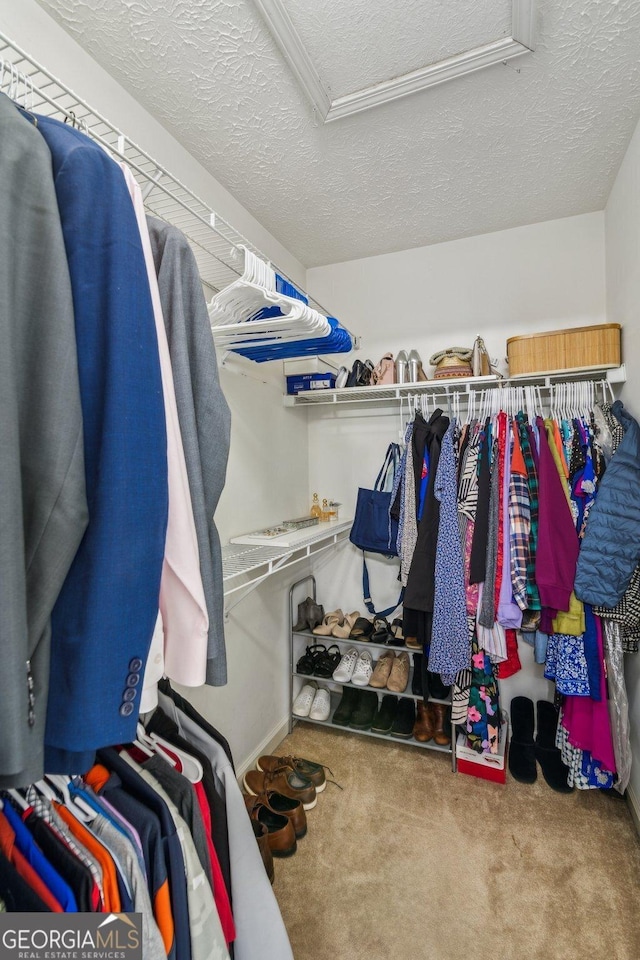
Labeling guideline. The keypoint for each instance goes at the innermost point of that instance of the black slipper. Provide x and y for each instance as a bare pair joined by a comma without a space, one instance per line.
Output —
397,636
522,754
362,629
554,771
381,630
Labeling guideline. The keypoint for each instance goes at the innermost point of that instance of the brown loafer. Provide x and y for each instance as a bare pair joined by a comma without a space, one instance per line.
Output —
283,780
307,769
286,807
424,729
261,834
281,835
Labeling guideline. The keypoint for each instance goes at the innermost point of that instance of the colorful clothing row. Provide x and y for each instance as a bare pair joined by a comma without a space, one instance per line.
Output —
136,834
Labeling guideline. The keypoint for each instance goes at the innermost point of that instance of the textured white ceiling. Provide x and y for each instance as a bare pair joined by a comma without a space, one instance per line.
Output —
492,150
354,45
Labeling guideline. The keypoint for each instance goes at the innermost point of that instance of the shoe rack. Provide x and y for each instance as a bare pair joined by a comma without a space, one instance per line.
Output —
299,640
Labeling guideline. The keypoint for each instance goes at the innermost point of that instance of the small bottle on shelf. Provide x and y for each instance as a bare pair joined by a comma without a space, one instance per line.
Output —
316,509
324,513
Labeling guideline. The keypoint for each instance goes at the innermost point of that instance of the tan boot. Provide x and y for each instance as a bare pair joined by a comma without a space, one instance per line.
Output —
440,735
424,728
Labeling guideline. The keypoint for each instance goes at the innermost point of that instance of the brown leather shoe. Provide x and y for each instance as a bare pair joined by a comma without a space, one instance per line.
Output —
399,676
424,727
413,643
440,735
307,769
283,780
286,807
382,670
261,834
281,835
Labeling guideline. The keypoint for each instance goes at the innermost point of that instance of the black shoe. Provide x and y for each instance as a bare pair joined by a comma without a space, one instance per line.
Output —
344,710
416,680
547,754
365,711
522,755
405,719
437,688
383,720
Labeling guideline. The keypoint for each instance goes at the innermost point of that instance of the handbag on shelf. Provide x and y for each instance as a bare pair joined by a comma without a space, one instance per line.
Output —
374,529
451,363
481,363
385,370
361,373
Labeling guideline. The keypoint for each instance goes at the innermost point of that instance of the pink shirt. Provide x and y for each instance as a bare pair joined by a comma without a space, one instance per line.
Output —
179,647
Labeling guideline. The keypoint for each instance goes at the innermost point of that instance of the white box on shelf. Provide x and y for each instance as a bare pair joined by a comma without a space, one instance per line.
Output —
309,365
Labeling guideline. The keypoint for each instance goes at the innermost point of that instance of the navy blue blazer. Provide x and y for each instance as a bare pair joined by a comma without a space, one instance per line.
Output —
103,620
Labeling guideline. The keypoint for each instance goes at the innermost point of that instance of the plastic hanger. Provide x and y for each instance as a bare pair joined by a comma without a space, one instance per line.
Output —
81,810
19,799
191,767
43,787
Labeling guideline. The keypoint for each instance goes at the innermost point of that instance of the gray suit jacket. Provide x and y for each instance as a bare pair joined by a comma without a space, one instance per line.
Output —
43,509
205,419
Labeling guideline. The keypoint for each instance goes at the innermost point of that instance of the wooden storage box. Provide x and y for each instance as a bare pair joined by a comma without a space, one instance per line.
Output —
579,348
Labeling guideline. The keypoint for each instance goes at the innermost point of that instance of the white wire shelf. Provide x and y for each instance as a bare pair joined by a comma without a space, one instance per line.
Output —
384,395
215,243
246,565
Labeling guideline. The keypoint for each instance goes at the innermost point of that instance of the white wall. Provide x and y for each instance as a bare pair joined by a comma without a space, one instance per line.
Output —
622,224
526,280
546,276
268,467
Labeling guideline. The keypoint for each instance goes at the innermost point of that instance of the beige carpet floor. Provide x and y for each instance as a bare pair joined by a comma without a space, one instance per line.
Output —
412,861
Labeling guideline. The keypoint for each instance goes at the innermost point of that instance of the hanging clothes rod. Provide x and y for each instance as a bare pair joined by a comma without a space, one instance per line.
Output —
215,243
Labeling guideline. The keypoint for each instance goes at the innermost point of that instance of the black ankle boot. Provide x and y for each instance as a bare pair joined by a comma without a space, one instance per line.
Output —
416,680
547,754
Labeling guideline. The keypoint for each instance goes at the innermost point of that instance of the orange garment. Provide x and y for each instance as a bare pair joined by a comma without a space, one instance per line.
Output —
560,446
161,898
97,777
517,460
112,902
24,868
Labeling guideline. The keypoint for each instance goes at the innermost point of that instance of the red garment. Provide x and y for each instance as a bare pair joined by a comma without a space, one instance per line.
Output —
512,664
24,868
502,448
220,893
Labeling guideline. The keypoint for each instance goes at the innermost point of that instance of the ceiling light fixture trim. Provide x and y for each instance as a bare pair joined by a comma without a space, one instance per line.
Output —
521,41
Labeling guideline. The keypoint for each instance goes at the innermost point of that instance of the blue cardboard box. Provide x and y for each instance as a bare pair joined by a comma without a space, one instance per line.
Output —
299,382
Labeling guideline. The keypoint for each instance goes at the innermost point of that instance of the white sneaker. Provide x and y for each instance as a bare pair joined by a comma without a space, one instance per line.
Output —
304,701
344,671
363,669
321,707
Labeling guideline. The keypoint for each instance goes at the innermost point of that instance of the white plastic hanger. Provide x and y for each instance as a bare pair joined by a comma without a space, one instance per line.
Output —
19,799
81,810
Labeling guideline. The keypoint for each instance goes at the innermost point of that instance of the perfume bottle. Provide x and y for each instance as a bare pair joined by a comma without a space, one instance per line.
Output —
325,514
316,509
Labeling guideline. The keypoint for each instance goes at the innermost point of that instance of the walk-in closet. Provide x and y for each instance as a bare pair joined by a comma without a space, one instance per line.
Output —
319,480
